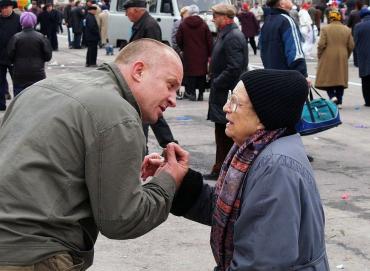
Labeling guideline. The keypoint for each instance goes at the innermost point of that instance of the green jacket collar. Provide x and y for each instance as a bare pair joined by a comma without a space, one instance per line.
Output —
123,88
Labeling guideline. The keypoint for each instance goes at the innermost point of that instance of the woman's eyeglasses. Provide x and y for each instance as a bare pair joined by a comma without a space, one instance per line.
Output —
232,102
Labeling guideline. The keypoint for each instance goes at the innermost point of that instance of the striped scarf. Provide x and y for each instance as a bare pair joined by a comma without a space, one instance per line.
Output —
228,192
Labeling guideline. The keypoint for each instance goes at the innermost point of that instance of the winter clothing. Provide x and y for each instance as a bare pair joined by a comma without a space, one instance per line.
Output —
333,50
249,23
280,43
77,169
92,37
146,27
228,61
279,197
228,193
195,41
277,96
103,25
9,26
49,23
362,40
250,27
305,23
28,20
28,51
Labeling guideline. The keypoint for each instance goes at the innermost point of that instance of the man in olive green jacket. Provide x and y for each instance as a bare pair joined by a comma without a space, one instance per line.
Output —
71,152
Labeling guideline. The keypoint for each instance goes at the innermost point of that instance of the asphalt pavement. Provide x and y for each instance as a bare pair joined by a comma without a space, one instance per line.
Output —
341,165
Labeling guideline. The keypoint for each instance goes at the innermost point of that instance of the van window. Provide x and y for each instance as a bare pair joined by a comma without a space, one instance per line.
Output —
166,6
120,4
152,6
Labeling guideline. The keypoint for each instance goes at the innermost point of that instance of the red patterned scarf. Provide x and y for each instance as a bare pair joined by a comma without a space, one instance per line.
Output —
228,192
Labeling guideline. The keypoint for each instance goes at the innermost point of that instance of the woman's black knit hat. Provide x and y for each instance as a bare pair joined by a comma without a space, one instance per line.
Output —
277,96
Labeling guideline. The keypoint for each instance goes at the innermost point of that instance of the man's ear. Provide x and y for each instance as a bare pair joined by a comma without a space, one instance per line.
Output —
137,71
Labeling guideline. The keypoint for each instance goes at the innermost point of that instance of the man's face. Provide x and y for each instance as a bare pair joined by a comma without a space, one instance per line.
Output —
157,88
6,11
218,20
132,14
34,4
49,8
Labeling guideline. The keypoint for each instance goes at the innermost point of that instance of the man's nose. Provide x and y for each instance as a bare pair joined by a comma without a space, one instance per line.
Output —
172,100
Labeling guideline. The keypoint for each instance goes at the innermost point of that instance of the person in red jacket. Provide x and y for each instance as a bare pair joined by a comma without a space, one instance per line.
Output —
195,41
250,26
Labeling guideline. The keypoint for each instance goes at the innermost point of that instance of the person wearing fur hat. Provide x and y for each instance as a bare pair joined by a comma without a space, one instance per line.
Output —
9,25
28,51
333,51
265,210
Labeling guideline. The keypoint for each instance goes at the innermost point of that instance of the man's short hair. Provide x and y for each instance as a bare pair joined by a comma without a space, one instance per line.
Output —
141,47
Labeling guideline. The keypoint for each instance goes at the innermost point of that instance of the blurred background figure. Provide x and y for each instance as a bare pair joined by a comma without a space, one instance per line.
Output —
257,11
68,22
353,19
305,23
334,48
362,47
195,41
250,26
92,36
28,51
49,20
35,9
77,17
9,26
103,25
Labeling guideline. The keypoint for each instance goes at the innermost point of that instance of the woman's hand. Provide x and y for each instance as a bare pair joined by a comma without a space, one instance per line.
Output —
150,165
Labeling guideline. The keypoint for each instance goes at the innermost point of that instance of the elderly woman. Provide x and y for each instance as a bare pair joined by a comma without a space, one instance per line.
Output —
265,211
333,50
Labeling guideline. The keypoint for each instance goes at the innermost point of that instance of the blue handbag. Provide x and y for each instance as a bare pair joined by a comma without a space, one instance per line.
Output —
318,115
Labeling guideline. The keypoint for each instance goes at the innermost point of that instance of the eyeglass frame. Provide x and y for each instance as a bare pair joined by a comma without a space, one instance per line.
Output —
233,106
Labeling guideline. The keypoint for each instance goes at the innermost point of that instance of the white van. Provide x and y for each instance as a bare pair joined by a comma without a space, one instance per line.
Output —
166,12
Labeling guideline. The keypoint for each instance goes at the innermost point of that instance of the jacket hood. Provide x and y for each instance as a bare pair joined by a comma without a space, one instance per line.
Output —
193,21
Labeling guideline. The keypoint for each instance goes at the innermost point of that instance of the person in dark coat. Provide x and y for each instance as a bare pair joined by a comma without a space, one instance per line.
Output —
145,26
250,25
77,17
68,21
195,41
228,61
9,26
354,18
49,23
28,51
362,46
92,37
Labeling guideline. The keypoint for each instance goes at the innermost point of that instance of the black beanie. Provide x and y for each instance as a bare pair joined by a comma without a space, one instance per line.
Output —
277,96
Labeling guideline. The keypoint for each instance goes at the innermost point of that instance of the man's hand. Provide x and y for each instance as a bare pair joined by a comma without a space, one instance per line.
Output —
150,165
176,162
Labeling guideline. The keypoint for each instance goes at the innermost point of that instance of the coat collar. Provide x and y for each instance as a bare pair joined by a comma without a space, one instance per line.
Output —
123,88
227,29
279,11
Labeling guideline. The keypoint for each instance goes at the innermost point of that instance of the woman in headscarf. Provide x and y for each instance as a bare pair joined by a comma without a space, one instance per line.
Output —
333,50
265,211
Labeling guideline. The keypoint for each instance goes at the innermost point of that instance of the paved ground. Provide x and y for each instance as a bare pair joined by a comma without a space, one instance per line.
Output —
342,160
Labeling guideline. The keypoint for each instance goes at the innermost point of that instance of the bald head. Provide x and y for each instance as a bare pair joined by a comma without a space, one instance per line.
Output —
153,71
147,50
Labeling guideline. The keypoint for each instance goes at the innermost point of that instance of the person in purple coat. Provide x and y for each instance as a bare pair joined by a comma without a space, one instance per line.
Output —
250,25
195,41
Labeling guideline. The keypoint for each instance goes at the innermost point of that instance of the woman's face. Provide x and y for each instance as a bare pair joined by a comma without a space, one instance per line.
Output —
243,120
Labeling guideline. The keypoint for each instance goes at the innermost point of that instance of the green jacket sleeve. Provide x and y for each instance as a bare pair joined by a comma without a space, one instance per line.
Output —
121,206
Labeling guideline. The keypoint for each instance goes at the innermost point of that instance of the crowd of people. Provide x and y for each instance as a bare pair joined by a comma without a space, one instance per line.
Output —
80,167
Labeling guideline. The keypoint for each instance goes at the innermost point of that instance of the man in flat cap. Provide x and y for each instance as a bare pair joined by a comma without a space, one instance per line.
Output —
228,61
145,26
9,25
